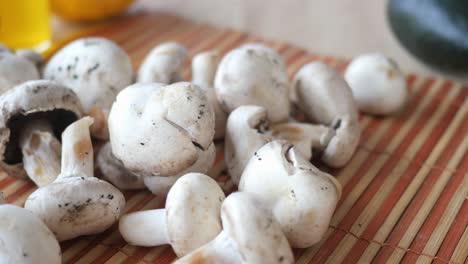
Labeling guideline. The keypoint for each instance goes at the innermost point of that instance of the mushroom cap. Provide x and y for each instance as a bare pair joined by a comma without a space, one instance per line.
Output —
77,205
25,238
96,69
113,171
256,234
250,75
163,63
160,185
246,132
301,197
378,85
15,70
192,210
325,97
179,114
32,99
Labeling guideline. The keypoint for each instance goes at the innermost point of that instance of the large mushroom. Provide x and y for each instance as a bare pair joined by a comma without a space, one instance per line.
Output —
249,128
163,64
190,219
32,117
96,69
254,75
250,235
24,238
325,97
15,70
179,115
160,185
378,85
300,196
77,203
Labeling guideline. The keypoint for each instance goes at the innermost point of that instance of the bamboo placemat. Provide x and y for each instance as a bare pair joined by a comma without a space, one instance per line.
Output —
404,191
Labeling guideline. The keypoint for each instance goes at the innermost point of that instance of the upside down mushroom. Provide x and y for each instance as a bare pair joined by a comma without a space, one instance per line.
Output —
77,203
32,117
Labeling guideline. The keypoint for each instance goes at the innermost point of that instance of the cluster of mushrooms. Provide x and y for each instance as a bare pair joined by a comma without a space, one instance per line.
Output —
153,130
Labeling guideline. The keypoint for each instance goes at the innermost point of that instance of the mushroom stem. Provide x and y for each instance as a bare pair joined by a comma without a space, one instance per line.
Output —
222,249
41,152
77,149
204,67
151,231
307,138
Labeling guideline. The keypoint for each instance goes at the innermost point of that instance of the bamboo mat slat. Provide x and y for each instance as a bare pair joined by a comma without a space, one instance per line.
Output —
404,191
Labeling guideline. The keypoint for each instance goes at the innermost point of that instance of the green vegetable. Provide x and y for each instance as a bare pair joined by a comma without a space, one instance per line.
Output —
435,31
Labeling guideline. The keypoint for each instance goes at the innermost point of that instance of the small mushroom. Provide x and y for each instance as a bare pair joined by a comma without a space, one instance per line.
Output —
15,70
190,220
96,69
32,56
24,238
254,75
160,185
163,64
325,97
250,235
32,114
248,129
204,67
114,171
179,114
378,85
77,203
301,197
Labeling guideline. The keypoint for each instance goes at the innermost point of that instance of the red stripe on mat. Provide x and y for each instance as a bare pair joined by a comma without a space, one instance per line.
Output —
329,246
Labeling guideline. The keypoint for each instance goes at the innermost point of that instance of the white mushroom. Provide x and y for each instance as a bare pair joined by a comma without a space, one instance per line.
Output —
190,220
179,115
248,129
96,69
253,75
163,64
15,70
325,97
250,235
32,116
32,56
24,238
114,171
77,203
204,67
378,85
160,185
301,197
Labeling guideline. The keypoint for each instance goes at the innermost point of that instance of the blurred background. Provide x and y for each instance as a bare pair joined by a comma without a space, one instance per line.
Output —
434,30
